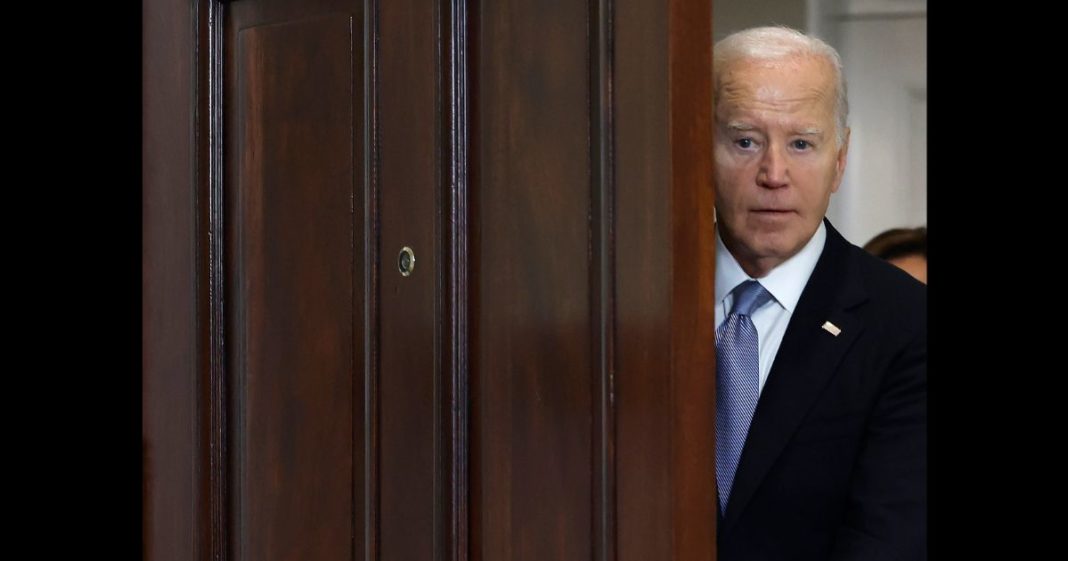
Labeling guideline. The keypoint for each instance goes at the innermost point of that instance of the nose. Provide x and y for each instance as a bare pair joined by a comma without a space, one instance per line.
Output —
772,174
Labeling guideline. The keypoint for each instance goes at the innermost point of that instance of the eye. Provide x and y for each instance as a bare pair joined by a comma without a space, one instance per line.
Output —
744,142
800,144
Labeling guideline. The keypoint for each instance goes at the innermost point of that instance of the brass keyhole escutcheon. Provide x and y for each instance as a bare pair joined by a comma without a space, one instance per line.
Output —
406,261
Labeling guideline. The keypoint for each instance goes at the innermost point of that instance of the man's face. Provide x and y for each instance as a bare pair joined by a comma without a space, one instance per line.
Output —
777,157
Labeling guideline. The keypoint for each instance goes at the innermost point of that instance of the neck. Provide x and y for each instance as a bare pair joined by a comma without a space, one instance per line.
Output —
758,267
755,266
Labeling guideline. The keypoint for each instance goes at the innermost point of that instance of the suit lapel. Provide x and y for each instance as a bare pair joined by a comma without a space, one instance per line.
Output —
804,364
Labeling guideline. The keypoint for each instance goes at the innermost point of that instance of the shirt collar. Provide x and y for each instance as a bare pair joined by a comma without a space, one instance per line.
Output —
785,282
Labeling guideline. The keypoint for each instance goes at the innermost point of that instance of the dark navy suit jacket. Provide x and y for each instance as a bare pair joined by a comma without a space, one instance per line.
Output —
834,465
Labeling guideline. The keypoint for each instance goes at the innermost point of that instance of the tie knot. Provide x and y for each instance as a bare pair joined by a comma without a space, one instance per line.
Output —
749,296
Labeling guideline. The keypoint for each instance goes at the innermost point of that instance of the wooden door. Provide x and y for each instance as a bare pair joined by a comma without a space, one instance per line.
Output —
538,386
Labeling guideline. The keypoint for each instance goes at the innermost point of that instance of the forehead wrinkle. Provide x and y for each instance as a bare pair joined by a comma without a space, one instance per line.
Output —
767,97
736,84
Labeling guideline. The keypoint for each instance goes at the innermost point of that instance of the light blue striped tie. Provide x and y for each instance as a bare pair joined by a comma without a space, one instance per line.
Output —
737,379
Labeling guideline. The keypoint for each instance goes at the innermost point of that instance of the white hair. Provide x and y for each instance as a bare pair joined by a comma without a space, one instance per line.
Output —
777,43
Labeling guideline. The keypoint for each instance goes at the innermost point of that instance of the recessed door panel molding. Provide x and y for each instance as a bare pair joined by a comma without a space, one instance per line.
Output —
295,362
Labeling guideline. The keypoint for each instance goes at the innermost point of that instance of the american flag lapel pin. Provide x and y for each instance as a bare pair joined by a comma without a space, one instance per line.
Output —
831,328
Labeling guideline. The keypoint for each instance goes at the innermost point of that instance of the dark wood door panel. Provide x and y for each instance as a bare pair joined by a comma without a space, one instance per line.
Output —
533,377
665,279
296,290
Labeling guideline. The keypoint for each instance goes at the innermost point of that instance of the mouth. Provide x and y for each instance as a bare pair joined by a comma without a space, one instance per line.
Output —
776,217
772,211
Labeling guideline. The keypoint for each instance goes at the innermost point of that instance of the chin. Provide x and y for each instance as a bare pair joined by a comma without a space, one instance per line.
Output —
779,251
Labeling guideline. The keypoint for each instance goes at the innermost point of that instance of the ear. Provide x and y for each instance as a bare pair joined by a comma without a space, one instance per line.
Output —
840,161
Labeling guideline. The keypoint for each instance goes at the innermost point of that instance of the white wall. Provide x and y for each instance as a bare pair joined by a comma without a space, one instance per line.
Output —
883,44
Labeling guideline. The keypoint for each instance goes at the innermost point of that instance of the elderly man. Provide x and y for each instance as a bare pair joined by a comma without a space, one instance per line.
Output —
821,347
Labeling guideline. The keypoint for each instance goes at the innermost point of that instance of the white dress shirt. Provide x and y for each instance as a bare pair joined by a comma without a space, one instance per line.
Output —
785,283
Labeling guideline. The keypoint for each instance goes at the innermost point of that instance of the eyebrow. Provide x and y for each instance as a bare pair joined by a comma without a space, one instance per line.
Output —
745,127
738,126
